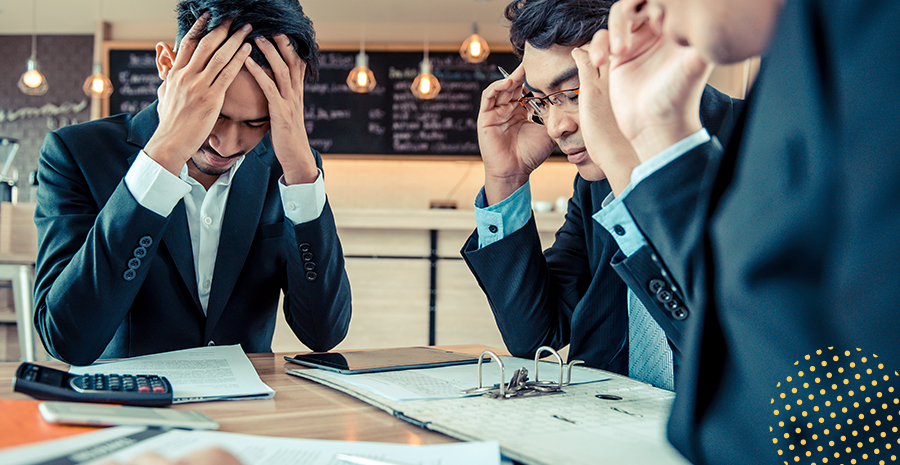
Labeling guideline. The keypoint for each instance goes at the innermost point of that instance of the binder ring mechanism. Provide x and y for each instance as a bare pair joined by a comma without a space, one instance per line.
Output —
519,385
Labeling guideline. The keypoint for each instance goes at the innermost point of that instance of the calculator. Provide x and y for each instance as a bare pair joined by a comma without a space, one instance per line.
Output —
46,383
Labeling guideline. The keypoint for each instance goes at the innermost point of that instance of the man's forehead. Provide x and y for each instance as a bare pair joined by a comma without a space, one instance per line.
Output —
547,70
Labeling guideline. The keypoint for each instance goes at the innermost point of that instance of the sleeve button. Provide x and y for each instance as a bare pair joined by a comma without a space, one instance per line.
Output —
309,266
656,285
140,252
311,275
129,275
664,295
146,241
134,263
304,247
307,256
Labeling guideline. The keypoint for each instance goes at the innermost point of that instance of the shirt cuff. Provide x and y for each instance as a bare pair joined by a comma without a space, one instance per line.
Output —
613,214
666,156
494,222
153,187
303,202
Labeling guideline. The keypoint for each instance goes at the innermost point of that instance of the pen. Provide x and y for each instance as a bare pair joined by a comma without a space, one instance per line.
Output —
363,460
522,93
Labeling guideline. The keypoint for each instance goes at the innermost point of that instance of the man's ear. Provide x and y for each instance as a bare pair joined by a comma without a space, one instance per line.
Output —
165,59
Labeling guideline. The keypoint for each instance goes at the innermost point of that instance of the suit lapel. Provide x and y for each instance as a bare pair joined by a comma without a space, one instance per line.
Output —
177,237
242,215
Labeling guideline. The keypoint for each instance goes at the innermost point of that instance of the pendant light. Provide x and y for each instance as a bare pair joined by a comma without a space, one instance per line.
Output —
32,82
98,85
425,86
361,79
474,49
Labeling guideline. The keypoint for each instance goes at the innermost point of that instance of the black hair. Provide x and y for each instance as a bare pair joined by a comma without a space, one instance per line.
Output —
543,23
269,18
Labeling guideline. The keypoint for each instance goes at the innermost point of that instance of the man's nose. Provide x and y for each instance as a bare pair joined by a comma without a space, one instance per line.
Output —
560,123
225,138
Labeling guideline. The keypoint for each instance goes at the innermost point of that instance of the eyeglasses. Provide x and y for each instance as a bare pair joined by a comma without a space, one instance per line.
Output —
538,107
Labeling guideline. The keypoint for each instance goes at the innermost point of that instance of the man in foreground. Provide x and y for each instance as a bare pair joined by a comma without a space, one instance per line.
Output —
182,225
787,251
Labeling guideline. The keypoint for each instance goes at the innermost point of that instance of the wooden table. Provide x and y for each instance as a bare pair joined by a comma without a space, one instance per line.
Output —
300,408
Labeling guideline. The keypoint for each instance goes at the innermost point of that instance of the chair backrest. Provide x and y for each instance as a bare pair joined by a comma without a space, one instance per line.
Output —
18,234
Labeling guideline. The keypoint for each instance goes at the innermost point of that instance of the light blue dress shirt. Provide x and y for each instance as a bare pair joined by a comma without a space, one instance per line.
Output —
494,222
614,216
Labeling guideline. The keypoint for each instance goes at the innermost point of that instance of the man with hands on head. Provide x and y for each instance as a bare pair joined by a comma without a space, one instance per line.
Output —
568,294
787,252
181,226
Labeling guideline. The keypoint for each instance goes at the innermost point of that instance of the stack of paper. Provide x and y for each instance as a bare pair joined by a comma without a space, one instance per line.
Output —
196,375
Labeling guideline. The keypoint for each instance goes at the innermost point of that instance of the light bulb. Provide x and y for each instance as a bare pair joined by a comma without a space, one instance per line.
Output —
474,49
97,85
361,79
32,82
425,86
32,78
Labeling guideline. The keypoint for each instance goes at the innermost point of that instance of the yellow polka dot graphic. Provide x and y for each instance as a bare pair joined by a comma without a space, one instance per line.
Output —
838,407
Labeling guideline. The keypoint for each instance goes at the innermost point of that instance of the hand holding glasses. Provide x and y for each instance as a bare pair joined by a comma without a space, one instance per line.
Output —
538,107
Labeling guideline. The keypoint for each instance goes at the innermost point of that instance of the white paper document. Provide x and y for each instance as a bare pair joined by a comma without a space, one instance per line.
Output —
123,443
449,382
197,375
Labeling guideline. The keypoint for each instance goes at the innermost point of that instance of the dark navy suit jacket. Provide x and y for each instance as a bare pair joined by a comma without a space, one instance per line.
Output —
788,253
114,279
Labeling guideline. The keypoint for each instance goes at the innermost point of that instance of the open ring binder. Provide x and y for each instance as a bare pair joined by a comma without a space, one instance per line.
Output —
519,386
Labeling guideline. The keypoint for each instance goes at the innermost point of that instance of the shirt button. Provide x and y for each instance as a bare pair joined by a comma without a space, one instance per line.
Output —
207,221
493,229
207,283
290,206
618,229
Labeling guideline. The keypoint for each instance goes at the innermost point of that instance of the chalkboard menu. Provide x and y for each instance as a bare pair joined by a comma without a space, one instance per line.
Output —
389,120
134,79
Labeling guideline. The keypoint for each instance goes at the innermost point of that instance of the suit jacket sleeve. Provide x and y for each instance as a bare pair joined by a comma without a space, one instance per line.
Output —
537,297
84,253
317,297
668,208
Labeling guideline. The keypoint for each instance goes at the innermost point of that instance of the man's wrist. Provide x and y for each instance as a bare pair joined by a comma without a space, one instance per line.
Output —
498,188
170,159
653,140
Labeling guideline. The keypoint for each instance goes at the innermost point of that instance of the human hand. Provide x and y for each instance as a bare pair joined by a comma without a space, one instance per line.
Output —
285,96
212,456
193,91
511,145
655,83
606,145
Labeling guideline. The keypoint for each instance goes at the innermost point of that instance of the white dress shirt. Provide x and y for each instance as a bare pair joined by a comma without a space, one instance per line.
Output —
159,191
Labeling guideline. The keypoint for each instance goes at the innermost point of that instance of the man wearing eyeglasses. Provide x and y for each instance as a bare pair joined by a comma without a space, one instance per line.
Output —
568,294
